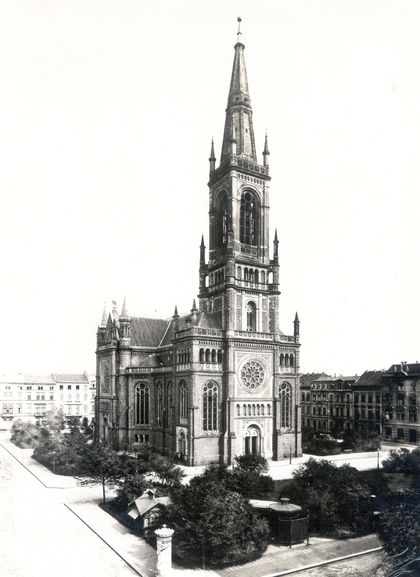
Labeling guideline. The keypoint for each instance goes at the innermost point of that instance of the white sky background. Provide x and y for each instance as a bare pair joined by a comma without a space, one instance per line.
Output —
107,109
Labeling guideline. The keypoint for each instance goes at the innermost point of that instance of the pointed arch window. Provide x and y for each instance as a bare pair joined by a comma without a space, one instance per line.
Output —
183,400
249,213
210,403
251,317
142,404
285,405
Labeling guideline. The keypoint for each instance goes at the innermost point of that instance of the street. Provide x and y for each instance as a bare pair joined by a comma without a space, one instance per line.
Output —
40,537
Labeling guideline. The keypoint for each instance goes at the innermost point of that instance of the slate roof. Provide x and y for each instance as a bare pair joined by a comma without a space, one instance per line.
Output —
308,378
369,378
147,332
71,378
40,379
407,368
152,362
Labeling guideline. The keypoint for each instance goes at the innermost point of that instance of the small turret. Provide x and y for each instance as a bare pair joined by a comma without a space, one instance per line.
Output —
175,319
194,313
104,318
296,324
266,152
276,248
212,158
202,252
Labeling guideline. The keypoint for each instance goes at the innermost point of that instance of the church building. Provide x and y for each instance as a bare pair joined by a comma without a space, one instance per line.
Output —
223,380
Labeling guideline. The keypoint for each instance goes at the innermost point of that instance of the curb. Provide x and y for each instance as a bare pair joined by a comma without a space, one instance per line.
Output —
103,540
322,563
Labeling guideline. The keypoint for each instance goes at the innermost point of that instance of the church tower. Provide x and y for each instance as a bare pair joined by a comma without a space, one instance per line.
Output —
221,380
239,285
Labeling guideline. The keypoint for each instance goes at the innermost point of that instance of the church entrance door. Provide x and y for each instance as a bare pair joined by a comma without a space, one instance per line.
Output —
252,441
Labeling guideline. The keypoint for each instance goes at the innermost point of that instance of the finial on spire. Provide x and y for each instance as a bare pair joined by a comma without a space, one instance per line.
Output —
194,307
296,324
176,312
239,33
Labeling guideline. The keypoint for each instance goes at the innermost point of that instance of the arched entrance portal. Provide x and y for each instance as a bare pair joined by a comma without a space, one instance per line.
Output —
253,441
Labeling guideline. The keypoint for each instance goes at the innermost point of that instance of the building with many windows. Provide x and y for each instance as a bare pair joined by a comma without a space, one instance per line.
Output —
327,403
385,401
222,380
29,396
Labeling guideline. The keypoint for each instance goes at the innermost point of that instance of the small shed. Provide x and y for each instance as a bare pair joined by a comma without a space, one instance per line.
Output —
147,509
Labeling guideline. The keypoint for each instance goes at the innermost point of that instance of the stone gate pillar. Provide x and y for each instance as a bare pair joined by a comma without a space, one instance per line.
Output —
164,551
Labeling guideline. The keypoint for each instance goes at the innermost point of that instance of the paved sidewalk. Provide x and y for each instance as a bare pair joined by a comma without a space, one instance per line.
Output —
141,557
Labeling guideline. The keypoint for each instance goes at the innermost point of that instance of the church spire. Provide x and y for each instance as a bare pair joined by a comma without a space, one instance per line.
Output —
104,317
239,111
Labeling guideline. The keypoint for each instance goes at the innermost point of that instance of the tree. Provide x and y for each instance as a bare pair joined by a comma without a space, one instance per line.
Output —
399,523
99,464
338,499
54,420
61,453
403,461
25,435
215,526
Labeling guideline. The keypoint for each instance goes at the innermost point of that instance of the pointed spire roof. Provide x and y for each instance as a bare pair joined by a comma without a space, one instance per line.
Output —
212,157
124,312
194,307
104,317
239,112
266,151
296,318
202,241
176,312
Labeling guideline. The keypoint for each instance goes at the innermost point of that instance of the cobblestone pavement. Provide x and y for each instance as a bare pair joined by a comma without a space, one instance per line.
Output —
365,566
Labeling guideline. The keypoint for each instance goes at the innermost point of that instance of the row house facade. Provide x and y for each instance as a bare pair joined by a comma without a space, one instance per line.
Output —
29,397
385,401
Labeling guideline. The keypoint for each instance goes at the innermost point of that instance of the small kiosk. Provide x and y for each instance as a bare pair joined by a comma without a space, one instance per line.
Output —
289,523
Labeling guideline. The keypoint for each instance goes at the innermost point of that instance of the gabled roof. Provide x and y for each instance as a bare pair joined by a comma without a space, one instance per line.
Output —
209,321
146,502
147,332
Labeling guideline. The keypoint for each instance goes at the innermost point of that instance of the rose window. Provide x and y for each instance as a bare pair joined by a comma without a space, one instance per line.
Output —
252,374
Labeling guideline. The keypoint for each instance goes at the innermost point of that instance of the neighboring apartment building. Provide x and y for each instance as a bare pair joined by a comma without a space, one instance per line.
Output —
29,396
327,403
385,401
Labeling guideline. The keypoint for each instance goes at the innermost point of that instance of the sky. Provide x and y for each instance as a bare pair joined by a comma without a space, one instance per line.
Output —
107,110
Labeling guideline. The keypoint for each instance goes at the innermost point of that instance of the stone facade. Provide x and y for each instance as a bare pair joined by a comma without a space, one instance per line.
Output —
223,380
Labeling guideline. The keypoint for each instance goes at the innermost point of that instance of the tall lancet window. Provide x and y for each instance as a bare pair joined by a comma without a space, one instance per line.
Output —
251,317
249,219
285,405
210,402
142,399
183,400
222,217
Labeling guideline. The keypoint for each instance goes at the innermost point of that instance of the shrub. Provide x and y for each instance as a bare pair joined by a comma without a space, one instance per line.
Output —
215,526
253,463
338,498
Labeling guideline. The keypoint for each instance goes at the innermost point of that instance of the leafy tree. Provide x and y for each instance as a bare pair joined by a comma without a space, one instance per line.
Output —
215,526
87,428
315,445
99,464
246,482
156,472
54,420
61,453
403,461
25,435
338,499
